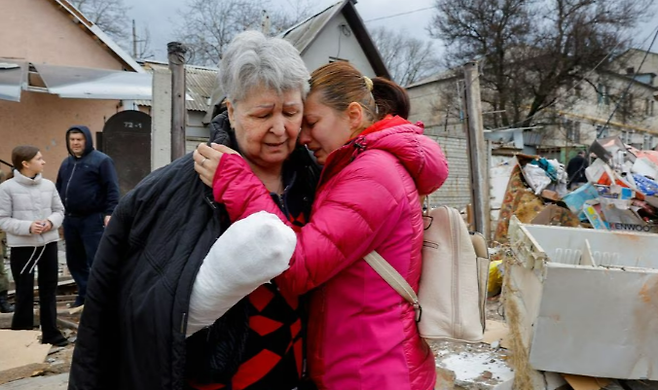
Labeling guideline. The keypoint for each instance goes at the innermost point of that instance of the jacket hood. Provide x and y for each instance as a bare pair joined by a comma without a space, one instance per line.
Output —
421,156
89,141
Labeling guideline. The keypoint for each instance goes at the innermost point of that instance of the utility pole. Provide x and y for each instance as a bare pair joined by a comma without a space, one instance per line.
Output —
176,53
478,153
161,119
265,23
134,40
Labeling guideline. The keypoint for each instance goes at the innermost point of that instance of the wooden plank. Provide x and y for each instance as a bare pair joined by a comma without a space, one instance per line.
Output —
578,382
67,324
5,319
51,382
61,283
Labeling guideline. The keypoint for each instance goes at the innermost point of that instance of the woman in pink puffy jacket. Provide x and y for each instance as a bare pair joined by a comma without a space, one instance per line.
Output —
361,333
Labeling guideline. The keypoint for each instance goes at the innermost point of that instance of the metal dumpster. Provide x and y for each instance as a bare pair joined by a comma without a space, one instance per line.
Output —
587,300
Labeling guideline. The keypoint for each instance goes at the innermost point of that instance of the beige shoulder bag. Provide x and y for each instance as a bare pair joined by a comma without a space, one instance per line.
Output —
453,282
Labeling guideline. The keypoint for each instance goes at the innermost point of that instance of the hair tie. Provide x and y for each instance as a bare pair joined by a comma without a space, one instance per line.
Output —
368,82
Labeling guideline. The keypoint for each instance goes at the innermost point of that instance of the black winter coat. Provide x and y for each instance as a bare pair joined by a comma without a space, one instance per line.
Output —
132,331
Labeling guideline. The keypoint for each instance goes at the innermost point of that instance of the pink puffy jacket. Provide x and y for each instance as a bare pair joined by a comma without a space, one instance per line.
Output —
362,333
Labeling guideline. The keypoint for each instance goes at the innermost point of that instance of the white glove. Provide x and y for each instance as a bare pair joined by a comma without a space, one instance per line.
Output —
251,252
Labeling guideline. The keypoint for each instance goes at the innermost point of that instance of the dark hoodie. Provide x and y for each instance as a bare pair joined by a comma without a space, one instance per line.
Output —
87,184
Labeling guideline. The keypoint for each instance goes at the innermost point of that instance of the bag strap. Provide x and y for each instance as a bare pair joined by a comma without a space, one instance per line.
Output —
393,277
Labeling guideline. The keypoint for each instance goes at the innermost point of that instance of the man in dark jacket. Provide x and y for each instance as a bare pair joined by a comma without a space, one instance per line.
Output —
88,185
576,170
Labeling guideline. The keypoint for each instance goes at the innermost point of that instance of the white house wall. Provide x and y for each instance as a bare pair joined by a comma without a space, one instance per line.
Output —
195,131
633,58
590,113
332,42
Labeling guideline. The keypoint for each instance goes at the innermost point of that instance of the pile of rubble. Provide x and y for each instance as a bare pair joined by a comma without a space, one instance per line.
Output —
621,192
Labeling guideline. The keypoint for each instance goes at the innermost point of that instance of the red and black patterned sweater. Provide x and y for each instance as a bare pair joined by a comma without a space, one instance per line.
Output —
274,355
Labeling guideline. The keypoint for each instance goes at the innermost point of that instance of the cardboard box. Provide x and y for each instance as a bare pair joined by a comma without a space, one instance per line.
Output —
550,195
555,215
598,321
22,355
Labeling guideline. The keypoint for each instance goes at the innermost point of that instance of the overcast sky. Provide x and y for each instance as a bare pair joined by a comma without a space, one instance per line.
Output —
159,17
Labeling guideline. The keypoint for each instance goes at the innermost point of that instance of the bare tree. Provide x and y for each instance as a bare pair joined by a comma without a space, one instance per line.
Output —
408,59
110,15
531,49
298,11
207,27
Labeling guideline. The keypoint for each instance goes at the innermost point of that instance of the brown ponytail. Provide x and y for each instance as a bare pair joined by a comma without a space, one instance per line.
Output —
340,84
390,98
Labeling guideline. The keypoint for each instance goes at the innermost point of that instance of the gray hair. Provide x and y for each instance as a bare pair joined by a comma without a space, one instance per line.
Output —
252,59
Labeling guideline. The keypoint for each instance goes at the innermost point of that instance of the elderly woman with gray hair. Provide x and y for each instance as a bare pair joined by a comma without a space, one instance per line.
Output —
163,311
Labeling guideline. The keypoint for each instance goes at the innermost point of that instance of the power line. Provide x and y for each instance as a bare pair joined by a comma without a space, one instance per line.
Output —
399,14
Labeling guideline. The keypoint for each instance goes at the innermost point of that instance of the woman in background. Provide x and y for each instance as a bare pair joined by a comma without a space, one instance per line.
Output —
30,213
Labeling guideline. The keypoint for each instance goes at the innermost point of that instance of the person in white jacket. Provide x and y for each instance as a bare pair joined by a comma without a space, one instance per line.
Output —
30,213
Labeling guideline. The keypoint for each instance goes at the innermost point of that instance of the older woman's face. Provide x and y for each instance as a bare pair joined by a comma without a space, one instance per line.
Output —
267,125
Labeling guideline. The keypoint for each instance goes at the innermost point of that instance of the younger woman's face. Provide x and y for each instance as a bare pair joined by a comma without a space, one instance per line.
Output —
324,129
36,165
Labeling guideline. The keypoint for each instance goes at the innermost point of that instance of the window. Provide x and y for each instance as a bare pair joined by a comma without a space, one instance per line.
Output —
573,131
625,112
603,94
627,136
602,132
624,136
648,142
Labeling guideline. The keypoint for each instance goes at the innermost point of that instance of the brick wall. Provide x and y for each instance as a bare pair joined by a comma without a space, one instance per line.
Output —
455,191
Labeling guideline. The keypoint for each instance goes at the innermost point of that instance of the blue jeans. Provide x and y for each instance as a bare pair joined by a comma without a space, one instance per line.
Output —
82,235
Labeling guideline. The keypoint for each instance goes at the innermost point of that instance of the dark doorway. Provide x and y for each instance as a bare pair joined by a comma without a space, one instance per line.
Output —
127,139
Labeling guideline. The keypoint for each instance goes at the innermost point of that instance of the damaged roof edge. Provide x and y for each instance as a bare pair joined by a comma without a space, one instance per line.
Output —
108,43
347,7
364,38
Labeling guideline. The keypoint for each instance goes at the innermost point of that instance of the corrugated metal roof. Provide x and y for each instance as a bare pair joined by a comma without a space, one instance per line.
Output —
443,75
200,82
302,34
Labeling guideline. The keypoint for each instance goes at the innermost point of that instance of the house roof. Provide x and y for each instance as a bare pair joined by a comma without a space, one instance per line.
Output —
632,49
628,78
199,81
441,76
304,33
98,35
